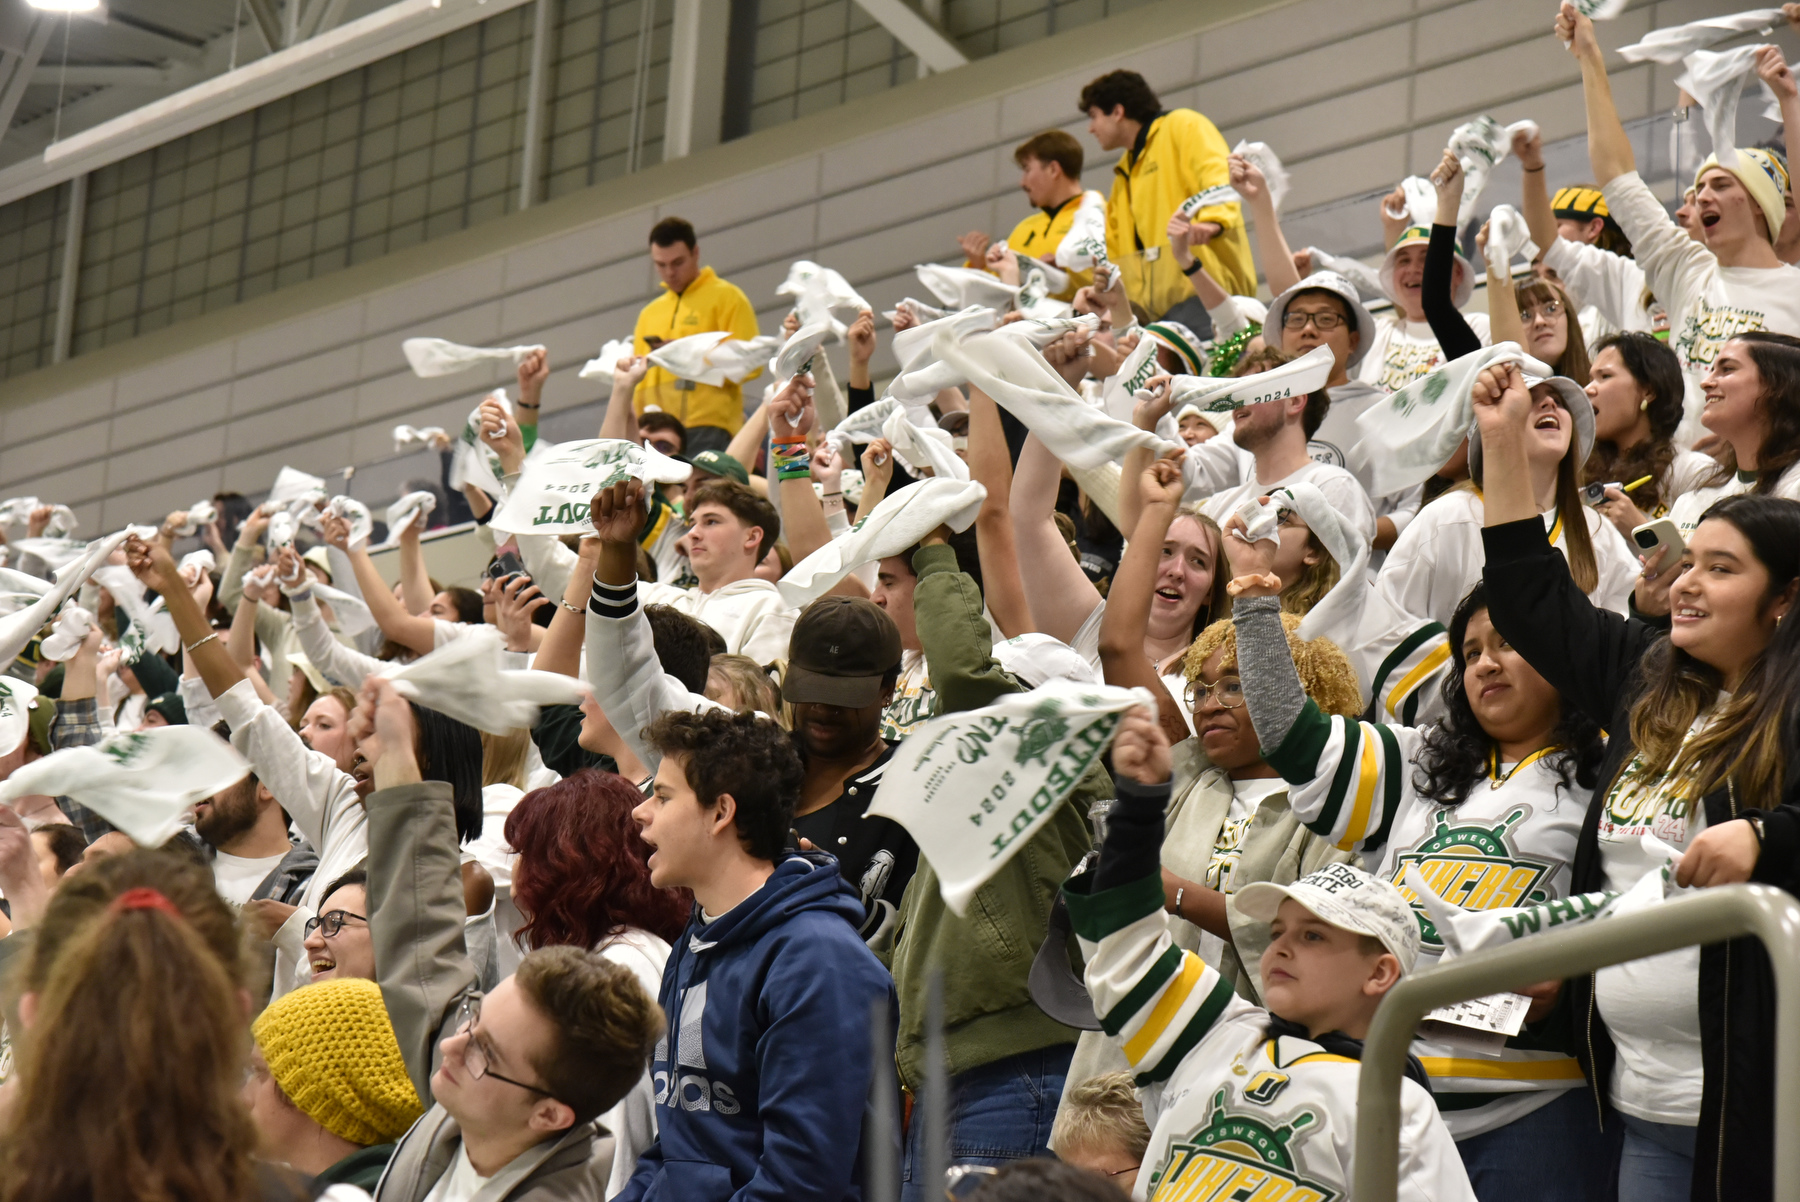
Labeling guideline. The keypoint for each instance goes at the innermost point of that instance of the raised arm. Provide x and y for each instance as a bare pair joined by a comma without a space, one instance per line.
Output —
954,634
1127,618
150,562
1062,595
748,442
1436,293
1181,234
415,632
1504,322
416,907
1609,146
997,547
1534,190
244,556
345,665
560,651
791,417
415,577
620,421
1271,243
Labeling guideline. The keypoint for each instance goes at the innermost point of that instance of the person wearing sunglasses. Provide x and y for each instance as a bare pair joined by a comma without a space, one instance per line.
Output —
514,1079
662,432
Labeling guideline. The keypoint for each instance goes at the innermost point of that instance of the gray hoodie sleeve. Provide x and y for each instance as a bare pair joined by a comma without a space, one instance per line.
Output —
1272,689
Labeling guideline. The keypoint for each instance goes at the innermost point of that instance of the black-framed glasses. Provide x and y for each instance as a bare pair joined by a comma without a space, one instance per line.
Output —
1549,310
1326,320
1228,691
330,923
475,1055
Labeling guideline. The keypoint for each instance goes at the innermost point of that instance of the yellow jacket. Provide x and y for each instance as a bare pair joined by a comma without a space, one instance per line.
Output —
709,303
1038,236
1183,153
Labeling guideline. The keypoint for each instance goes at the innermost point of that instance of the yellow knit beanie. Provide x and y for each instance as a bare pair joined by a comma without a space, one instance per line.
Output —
331,1048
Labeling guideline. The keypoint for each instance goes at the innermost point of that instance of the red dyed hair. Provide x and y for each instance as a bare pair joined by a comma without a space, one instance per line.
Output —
583,872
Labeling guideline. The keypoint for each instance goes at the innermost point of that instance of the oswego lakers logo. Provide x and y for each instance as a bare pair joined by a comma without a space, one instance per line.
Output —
1472,866
1235,1157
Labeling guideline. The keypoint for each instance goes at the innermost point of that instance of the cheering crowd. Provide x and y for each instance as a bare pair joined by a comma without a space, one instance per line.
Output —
1024,777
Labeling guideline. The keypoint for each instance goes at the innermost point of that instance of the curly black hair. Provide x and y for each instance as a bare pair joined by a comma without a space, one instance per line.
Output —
749,757
1456,751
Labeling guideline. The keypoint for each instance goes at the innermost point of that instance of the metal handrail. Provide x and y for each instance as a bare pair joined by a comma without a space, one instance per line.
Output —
1712,916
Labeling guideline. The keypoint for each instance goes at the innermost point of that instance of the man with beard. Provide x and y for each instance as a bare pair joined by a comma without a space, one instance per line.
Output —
246,828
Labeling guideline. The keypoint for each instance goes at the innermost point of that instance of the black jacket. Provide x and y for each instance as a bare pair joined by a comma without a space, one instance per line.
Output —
1593,657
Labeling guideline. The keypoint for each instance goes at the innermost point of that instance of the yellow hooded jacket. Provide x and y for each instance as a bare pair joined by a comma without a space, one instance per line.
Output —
709,303
1183,153
1038,236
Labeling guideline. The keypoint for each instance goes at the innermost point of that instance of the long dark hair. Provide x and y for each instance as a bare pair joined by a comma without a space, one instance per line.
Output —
1457,750
450,751
1777,359
584,870
1745,739
1657,370
1582,565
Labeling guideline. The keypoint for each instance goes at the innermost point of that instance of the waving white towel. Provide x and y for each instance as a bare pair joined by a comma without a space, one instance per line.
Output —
1509,238
149,617
292,484
1221,394
961,287
715,357
1269,163
437,357
416,438
362,522
608,358
922,373
903,518
1675,43
1338,613
1715,81
921,447
1479,145
64,639
1083,248
554,491
143,782
414,506
464,680
796,354
821,294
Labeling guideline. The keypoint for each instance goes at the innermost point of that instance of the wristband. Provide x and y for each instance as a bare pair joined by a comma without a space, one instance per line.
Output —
1193,267
574,609
792,460
211,638
1178,893
1532,170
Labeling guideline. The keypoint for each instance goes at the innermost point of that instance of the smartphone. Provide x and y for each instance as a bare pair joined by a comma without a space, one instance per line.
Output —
505,566
1659,533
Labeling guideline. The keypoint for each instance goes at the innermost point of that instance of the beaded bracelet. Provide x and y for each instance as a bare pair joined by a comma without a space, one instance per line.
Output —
792,461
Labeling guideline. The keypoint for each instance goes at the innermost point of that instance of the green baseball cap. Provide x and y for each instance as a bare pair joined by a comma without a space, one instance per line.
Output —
718,463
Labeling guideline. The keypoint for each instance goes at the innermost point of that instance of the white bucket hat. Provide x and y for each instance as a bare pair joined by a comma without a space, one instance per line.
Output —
1574,399
1343,289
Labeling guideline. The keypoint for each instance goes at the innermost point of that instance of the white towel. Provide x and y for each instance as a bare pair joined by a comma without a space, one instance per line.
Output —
921,447
472,460
1269,163
1004,365
553,494
407,509
352,613
362,522
1421,201
1366,278
1411,433
200,513
972,788
464,680
1715,81
714,357
1221,394
1217,195
1083,248
1509,238
821,294
796,354
1338,613
922,374
1600,10
902,519
292,484
143,782
1675,43
151,618
1118,394
602,364
201,560
1479,145
415,438
918,310
52,552
65,638
437,357
961,287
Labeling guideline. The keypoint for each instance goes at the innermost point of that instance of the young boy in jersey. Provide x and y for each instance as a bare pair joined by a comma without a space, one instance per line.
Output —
1241,1100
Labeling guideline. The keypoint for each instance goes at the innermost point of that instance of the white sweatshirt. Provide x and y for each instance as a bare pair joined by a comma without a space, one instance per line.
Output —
749,614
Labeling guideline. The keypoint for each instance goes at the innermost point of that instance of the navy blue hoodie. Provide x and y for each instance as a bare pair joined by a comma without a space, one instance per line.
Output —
763,1081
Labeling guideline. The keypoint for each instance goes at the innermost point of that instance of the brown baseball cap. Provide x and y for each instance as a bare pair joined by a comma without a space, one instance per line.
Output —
841,650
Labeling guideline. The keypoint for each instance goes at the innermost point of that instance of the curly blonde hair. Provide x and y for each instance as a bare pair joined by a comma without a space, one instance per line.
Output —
1325,671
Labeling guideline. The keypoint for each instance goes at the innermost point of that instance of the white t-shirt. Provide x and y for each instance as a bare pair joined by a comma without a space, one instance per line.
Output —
1401,351
1688,508
460,1182
1707,303
1611,285
1652,1006
913,698
237,877
1221,869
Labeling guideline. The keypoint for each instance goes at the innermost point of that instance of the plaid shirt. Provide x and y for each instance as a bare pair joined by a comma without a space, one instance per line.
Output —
77,724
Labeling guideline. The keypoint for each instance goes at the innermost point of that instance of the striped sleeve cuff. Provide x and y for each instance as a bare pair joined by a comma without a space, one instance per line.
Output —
613,600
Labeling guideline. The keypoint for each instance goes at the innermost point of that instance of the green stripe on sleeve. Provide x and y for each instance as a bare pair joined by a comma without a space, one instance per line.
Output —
1166,966
1398,655
1341,781
1297,759
1390,789
1097,915
1192,1034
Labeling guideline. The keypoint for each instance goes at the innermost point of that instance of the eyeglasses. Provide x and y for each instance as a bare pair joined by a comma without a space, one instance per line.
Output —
1228,691
330,923
475,1054
1327,320
1550,310
664,446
